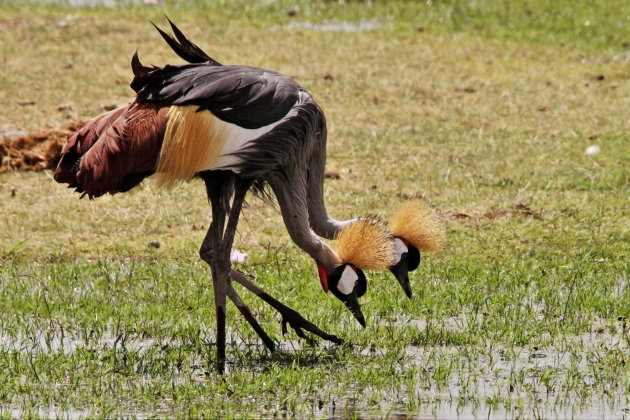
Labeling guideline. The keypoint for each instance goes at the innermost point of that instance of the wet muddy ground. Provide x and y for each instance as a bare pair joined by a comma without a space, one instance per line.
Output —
471,387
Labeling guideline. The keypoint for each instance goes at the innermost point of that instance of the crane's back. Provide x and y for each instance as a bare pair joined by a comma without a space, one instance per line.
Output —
191,118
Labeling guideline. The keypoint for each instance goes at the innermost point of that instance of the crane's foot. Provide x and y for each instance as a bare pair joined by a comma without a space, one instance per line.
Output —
298,330
290,317
299,324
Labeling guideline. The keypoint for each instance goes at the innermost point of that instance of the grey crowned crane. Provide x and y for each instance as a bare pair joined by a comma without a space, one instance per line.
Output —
238,128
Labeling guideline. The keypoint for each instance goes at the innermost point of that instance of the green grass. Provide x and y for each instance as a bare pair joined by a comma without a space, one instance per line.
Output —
486,113
599,24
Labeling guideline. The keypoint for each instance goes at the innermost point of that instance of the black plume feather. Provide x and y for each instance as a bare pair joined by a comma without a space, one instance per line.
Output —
183,47
137,67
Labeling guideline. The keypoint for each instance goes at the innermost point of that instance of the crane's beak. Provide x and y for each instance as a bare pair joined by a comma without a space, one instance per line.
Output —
352,303
401,272
409,261
348,284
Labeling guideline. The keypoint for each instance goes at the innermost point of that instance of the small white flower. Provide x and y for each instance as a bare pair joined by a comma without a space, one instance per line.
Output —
592,150
236,256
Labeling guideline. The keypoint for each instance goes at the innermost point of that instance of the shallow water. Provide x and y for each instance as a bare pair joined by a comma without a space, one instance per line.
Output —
467,392
445,412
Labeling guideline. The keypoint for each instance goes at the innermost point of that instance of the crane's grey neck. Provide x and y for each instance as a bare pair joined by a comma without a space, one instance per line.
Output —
321,222
291,194
327,227
291,158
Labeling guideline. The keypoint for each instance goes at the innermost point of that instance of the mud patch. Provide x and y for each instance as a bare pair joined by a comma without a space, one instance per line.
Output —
476,215
35,151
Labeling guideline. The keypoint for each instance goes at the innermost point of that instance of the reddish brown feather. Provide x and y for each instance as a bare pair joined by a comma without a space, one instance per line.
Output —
80,142
117,150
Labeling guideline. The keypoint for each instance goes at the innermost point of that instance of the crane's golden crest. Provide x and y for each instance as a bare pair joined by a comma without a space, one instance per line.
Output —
192,139
367,244
419,224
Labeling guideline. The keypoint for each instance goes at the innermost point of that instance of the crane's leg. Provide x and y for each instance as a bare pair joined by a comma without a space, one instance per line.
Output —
240,190
215,250
244,310
289,316
219,192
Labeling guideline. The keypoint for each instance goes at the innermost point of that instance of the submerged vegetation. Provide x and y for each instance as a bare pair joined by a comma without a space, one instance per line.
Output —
484,109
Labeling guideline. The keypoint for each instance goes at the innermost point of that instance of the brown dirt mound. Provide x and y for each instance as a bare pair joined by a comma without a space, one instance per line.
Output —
34,151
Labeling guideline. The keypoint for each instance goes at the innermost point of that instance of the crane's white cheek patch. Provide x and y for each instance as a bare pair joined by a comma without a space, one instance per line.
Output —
347,281
399,249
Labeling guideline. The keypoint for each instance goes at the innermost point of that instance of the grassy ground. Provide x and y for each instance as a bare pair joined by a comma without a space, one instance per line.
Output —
484,110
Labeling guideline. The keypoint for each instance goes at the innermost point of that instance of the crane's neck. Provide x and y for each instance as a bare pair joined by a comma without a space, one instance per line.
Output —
292,198
319,219
299,187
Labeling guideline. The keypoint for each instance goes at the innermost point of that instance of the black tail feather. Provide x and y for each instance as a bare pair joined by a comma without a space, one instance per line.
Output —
191,46
137,67
184,48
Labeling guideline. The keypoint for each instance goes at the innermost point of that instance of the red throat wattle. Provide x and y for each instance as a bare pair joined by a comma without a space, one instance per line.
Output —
323,277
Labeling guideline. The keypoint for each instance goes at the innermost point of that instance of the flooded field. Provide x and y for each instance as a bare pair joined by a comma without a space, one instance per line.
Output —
447,382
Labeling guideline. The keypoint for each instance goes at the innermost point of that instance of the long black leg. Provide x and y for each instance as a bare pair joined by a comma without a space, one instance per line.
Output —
289,316
242,307
209,243
222,262
219,192
215,250
241,188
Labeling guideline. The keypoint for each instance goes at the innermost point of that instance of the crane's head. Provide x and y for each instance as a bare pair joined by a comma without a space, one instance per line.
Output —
363,245
407,258
416,227
348,284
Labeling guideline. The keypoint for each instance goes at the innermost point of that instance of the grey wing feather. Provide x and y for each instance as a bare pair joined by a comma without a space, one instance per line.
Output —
246,96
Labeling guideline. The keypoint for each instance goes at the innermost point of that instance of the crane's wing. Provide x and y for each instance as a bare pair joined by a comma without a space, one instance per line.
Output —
246,96
115,151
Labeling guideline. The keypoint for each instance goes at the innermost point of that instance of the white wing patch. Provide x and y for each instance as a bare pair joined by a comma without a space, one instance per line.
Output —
237,138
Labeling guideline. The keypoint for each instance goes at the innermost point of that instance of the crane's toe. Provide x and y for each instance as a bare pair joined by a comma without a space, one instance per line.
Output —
300,324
